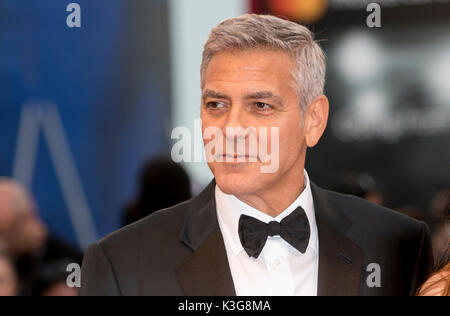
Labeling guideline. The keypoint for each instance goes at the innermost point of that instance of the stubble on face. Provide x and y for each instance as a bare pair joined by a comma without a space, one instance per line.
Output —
254,89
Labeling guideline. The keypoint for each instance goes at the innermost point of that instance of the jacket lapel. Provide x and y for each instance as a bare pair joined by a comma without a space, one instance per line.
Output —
340,259
206,272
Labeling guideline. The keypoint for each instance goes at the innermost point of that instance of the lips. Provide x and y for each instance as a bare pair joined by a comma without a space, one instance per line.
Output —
236,157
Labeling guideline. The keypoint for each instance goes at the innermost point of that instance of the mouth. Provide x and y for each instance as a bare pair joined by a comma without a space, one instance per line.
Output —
241,158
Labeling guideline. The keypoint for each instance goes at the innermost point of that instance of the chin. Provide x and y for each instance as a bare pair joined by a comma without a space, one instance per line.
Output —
238,179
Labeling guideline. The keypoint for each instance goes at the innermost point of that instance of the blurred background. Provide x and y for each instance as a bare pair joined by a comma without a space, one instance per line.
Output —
86,115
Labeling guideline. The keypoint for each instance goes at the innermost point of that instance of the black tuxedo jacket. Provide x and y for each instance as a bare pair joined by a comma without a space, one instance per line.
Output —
180,251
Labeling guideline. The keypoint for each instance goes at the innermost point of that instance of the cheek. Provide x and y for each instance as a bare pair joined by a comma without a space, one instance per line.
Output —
205,125
209,123
291,139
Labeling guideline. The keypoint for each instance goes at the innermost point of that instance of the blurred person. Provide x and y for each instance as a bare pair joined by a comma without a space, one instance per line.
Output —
26,236
162,183
441,230
8,278
51,278
439,210
20,227
361,185
3,245
440,239
262,233
439,282
440,204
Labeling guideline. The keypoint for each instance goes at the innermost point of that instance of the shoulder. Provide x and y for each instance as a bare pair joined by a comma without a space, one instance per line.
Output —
119,263
161,226
375,218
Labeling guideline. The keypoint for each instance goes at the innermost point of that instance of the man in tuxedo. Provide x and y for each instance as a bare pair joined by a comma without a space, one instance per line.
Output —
255,231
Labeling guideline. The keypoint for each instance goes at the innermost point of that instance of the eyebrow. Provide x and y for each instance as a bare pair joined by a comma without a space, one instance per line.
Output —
265,95
254,95
213,94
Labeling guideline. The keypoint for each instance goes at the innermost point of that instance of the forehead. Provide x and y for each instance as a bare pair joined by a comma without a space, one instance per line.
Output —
258,66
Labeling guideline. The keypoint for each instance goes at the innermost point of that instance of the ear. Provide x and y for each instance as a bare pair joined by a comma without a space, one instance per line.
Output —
316,118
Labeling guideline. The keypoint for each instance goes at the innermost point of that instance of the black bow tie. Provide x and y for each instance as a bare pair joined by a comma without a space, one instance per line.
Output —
293,228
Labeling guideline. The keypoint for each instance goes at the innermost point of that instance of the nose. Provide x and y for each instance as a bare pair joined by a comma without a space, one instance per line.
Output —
235,125
239,136
235,115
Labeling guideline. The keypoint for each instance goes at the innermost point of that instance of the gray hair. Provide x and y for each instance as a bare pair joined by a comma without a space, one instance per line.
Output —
252,31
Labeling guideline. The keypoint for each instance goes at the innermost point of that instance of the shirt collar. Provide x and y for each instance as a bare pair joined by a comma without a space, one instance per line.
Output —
229,209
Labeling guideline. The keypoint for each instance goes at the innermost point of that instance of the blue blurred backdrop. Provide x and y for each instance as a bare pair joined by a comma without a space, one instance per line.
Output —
99,88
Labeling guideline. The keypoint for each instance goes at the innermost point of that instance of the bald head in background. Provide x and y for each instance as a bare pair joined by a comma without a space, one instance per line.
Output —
20,228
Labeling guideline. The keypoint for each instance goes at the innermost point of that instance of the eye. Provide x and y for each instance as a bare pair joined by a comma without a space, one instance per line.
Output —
214,105
261,106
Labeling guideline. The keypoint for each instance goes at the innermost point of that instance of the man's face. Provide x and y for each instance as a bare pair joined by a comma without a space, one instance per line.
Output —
253,89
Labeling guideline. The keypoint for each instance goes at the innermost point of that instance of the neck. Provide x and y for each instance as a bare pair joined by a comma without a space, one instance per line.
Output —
275,199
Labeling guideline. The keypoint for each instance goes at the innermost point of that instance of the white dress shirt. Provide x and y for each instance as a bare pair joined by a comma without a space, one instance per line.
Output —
280,269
